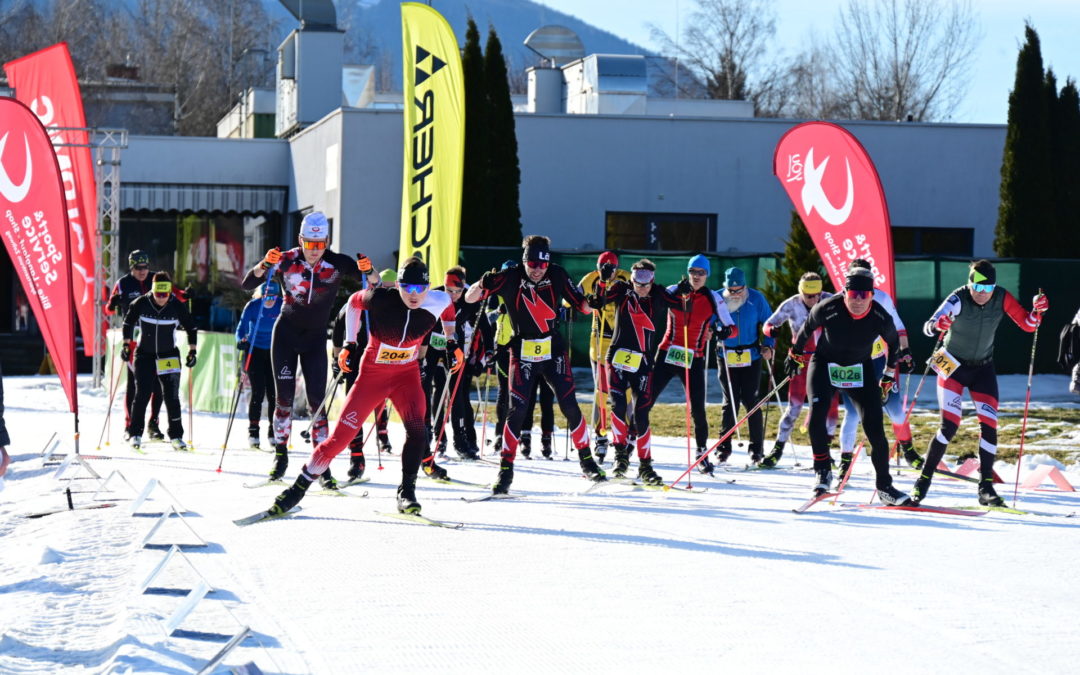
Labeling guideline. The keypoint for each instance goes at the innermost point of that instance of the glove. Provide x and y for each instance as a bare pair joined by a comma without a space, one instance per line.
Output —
455,356
943,323
904,362
347,357
363,263
114,302
767,329
684,287
272,257
594,301
127,349
243,346
1039,304
489,360
888,383
724,331
190,360
795,362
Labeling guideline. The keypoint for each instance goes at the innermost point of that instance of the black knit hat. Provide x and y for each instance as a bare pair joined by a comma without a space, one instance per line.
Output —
859,279
413,271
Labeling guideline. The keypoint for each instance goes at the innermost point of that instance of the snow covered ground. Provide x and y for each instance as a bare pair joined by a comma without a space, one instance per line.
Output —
557,581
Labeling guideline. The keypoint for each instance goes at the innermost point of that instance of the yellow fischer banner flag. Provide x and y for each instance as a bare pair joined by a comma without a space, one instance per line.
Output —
434,86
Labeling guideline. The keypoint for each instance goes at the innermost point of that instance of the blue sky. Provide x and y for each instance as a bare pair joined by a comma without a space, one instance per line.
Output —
1001,23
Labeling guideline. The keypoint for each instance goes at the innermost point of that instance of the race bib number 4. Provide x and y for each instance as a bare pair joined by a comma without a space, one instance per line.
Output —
944,363
627,360
167,366
395,355
738,358
438,341
846,377
536,350
679,356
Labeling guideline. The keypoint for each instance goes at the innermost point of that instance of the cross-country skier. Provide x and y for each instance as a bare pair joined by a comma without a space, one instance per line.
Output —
158,315
310,275
794,311
969,320
740,358
640,308
398,320
684,343
253,334
533,292
847,326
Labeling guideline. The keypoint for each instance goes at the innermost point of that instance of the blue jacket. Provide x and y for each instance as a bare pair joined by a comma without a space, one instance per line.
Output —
248,319
749,319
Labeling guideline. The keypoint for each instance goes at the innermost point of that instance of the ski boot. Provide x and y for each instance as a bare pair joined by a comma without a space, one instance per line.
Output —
773,458
845,464
179,445
890,496
622,461
441,450
589,466
824,480
987,495
154,431
466,452
357,464
506,477
253,443
756,455
646,474
545,446
722,453
327,481
919,490
911,456
526,444
135,441
127,435
705,466
406,496
281,461
600,449
292,495
433,470
384,442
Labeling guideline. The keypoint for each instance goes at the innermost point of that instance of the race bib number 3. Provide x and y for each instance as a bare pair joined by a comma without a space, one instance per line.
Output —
879,348
438,341
944,363
167,366
627,360
846,377
738,358
395,355
679,356
536,350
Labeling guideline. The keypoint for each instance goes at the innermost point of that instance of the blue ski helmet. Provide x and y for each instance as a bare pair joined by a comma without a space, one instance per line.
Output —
272,289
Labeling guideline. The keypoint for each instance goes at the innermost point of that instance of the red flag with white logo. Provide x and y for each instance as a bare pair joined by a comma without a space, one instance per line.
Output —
45,81
33,223
829,177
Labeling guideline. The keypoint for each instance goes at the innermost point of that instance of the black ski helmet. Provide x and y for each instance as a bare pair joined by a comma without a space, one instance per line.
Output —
138,257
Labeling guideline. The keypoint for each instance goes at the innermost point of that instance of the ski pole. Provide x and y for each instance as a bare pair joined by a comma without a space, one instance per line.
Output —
328,399
112,393
787,409
730,431
1027,403
112,396
191,408
459,375
570,365
232,414
730,391
847,474
686,382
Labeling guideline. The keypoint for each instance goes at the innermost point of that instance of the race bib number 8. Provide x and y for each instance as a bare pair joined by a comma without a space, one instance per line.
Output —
167,366
536,350
395,355
846,377
679,356
739,358
944,363
438,341
627,360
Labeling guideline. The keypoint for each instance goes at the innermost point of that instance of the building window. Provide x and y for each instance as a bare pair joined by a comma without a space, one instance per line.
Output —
933,241
660,231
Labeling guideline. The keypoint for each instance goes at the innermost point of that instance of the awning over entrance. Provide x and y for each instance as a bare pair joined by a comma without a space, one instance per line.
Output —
180,197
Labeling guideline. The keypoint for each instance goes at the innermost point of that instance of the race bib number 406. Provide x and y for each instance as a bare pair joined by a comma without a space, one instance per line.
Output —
679,356
395,355
846,377
536,350
438,341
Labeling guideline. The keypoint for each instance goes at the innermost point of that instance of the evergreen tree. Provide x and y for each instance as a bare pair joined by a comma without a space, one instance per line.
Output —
1067,170
475,198
800,256
504,173
1026,216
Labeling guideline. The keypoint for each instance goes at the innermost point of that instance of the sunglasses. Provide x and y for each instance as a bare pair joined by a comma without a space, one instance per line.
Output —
695,272
736,289
141,268
413,289
314,245
983,288
859,295
536,264
811,296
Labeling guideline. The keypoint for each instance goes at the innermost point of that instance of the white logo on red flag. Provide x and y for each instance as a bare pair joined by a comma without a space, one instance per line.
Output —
814,197
12,192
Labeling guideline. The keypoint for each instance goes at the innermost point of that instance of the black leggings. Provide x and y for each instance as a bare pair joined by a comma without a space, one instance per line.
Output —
147,381
640,385
664,373
129,398
260,374
307,347
744,382
523,376
867,402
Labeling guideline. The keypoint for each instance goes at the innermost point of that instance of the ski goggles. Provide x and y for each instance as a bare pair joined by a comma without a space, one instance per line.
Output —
413,289
859,295
697,272
735,290
536,264
313,244
642,277
983,288
162,288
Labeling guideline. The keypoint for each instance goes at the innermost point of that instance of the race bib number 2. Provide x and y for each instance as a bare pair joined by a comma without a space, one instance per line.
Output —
679,356
627,360
536,350
944,363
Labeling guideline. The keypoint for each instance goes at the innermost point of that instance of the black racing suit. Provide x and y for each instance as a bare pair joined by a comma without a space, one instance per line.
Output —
126,290
157,358
842,360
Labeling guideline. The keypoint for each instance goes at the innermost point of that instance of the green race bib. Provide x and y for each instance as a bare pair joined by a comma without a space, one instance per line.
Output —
438,341
679,356
846,377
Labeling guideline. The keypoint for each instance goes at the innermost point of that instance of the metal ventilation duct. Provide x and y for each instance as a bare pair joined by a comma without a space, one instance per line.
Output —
313,14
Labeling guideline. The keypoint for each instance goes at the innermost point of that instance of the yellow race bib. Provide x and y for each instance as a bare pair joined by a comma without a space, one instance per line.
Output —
944,363
627,360
395,355
879,348
168,365
737,358
536,350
